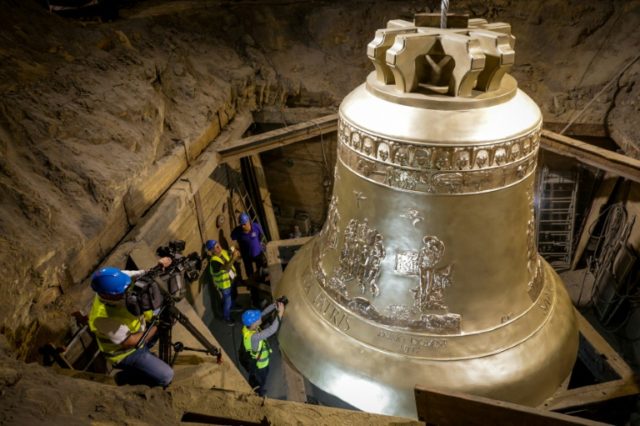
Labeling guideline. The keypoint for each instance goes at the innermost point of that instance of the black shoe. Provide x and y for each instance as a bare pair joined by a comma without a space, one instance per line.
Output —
230,323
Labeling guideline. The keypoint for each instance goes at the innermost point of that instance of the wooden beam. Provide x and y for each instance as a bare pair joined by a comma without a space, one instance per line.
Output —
265,197
603,347
280,137
605,189
597,130
294,381
274,261
619,164
593,394
437,407
288,116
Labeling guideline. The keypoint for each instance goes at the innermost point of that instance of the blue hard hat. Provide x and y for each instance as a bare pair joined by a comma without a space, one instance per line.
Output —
110,280
251,316
244,218
210,244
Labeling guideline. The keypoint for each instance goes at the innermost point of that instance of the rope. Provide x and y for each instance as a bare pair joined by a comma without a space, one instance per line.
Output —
444,8
614,79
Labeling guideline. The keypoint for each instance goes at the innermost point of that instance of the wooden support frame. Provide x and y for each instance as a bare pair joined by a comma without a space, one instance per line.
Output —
293,379
582,396
563,399
618,164
277,138
444,408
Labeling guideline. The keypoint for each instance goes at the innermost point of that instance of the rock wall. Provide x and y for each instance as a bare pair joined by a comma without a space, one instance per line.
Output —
97,120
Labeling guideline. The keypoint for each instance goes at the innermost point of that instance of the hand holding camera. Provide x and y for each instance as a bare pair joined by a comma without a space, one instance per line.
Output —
281,302
234,253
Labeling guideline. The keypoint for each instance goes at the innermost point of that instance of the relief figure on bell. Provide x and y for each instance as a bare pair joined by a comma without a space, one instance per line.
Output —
361,256
443,161
383,151
430,293
461,159
371,269
329,233
401,157
422,158
500,156
482,158
355,140
368,146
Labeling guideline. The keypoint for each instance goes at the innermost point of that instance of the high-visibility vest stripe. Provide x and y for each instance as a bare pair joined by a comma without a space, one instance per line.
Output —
221,278
113,351
261,356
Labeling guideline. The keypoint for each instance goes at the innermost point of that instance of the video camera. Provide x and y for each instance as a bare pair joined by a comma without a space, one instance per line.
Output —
283,300
182,267
159,286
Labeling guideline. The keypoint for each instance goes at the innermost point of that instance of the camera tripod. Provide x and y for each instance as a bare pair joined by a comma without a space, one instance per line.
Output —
167,350
169,314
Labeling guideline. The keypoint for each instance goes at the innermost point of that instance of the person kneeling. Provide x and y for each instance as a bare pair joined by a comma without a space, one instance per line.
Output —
119,333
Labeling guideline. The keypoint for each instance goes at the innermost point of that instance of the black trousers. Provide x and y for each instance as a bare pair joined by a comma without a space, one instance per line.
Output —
258,380
252,267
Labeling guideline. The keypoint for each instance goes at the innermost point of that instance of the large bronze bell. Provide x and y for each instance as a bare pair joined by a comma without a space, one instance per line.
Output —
426,271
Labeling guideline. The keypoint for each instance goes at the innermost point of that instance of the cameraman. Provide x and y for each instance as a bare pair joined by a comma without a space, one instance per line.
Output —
223,274
119,333
256,344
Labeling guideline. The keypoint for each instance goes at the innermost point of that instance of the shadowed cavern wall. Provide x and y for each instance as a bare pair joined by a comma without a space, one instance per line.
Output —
97,120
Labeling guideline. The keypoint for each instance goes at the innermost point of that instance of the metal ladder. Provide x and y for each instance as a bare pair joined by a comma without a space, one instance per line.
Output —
555,218
238,186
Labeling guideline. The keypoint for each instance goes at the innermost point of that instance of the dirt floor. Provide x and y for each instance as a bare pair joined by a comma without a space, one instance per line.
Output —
88,106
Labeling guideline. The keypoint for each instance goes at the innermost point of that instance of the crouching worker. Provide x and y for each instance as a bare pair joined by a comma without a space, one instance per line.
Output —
256,344
119,333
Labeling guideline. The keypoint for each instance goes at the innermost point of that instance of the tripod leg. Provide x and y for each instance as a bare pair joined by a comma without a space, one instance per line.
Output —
165,346
182,319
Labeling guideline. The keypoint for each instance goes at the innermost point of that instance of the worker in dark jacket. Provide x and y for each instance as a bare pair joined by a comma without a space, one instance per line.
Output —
249,236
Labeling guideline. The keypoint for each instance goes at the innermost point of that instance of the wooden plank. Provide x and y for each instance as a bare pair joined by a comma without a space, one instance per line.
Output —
274,264
294,381
587,395
273,257
279,137
288,116
150,186
597,130
202,168
142,255
618,164
601,198
601,392
202,226
444,408
602,346
265,197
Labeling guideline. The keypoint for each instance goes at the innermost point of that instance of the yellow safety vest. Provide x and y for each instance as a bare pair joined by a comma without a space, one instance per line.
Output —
261,356
113,351
221,278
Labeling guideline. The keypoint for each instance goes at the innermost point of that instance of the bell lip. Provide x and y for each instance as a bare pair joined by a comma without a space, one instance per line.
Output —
388,92
529,322
544,373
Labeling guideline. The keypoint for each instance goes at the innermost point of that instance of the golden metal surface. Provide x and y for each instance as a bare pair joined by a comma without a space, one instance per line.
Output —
426,270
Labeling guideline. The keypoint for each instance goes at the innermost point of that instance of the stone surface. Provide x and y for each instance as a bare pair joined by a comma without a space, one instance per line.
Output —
91,111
